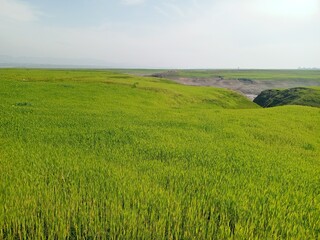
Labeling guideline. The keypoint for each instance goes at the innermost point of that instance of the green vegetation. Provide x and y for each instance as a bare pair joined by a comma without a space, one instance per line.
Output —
292,96
258,74
101,155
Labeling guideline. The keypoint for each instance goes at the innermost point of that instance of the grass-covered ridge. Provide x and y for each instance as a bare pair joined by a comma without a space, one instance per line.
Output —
94,154
292,96
147,92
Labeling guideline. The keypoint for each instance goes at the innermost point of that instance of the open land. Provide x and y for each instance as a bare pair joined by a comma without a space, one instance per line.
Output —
95,154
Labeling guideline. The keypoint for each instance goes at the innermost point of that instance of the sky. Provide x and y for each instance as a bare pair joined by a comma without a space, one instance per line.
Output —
162,33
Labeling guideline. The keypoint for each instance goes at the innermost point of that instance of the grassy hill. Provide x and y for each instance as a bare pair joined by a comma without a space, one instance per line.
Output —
292,96
96,154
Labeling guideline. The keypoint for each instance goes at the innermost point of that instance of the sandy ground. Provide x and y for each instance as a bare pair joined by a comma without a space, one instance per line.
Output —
247,87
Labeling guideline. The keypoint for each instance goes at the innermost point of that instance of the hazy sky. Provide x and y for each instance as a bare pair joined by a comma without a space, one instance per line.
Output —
164,33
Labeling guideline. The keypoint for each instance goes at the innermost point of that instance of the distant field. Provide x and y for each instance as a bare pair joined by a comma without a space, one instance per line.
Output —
247,82
234,74
100,155
258,74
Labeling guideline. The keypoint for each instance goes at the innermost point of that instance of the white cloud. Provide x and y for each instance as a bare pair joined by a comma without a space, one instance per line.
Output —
288,8
17,11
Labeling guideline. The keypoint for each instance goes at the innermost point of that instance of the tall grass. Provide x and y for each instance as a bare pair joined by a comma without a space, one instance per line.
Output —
97,155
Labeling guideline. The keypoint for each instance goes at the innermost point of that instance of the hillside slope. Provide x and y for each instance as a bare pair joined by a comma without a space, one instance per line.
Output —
148,92
100,155
292,96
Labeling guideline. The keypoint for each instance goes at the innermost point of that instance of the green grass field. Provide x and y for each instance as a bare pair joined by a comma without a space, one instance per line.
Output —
101,155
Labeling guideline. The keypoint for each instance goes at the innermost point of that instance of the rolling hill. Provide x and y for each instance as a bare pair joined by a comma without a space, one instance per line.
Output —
94,154
292,96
